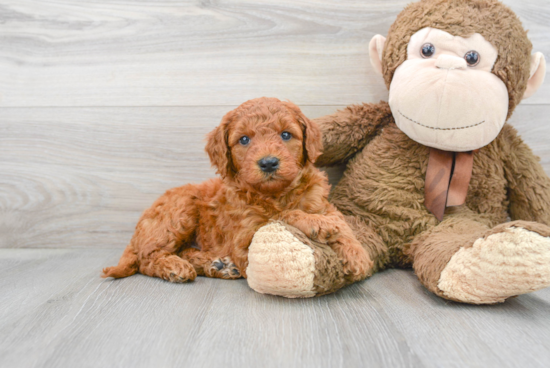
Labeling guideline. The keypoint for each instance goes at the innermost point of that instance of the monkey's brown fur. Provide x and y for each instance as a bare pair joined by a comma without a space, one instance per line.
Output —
382,190
495,22
221,215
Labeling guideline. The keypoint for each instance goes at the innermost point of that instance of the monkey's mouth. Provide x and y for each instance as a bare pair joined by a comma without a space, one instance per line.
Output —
436,128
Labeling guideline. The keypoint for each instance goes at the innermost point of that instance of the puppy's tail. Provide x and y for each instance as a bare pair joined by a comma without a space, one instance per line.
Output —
127,266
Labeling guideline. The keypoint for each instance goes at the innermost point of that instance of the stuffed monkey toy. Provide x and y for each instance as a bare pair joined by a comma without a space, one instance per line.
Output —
434,176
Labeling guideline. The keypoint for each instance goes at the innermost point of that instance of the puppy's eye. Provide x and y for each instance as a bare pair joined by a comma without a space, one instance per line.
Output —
472,58
286,136
427,50
244,140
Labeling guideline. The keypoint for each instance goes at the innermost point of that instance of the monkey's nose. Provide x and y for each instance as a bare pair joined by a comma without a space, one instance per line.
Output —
450,62
268,164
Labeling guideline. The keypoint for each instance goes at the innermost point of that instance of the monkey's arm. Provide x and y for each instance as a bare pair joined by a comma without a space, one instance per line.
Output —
528,184
349,130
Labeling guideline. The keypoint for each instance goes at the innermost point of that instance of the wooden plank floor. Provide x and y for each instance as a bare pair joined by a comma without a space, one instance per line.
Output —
56,312
104,105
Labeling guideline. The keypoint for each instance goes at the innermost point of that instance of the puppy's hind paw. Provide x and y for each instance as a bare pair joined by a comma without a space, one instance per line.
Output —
224,268
177,270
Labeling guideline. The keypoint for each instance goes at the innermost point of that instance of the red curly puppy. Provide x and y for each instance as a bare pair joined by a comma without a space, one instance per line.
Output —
264,151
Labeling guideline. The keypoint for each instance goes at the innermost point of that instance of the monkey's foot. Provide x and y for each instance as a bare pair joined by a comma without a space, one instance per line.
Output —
512,259
283,261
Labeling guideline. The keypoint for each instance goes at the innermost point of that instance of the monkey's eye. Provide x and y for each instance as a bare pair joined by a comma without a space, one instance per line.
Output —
244,140
286,136
472,58
427,50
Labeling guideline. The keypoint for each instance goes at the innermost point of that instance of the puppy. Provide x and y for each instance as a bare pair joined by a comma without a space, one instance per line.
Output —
264,152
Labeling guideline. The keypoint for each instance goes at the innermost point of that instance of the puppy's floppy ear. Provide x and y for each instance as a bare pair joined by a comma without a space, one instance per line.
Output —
313,144
218,149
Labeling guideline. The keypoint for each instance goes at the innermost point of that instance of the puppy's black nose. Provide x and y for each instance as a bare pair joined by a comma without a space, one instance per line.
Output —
268,164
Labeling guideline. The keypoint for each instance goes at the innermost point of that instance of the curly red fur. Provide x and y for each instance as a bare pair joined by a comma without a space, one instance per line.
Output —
221,215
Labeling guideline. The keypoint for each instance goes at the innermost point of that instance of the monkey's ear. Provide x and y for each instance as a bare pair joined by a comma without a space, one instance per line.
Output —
376,46
218,149
536,77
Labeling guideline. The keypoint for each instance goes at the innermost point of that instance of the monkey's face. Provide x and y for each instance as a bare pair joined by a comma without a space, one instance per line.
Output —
445,96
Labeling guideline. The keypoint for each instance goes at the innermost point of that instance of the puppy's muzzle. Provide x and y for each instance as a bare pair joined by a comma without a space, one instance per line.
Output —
268,164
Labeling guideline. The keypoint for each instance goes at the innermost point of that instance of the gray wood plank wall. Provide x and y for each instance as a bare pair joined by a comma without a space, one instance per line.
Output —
104,105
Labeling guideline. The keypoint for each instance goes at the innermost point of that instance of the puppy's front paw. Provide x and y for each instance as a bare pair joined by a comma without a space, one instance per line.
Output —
356,262
319,231
327,234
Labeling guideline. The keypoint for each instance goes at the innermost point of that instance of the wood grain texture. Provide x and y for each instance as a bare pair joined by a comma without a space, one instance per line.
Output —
447,334
55,311
188,53
81,177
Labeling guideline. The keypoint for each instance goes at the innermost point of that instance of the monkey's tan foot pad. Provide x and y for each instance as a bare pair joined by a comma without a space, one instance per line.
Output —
283,261
509,261
225,268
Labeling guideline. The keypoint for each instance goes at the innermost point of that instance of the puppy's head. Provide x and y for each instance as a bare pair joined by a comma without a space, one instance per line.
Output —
264,144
